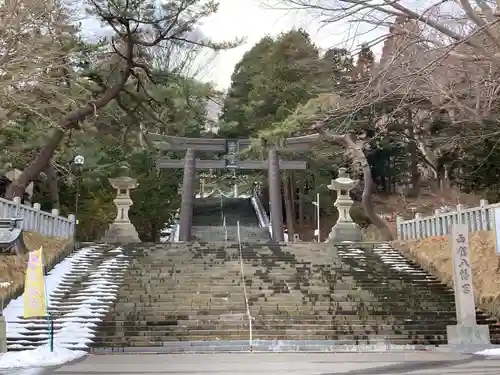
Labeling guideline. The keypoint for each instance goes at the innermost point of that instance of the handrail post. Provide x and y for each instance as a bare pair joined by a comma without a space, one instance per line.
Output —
225,230
249,316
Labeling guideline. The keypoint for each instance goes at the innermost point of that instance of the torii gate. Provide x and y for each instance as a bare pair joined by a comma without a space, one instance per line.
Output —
232,147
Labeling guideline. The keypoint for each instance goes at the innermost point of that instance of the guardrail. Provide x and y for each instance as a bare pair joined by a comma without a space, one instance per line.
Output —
477,219
36,220
259,210
264,220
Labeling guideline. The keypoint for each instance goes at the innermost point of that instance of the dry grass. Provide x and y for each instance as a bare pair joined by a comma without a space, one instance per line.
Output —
434,255
13,267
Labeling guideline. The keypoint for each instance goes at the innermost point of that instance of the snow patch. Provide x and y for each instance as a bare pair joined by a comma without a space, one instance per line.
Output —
39,357
78,307
489,352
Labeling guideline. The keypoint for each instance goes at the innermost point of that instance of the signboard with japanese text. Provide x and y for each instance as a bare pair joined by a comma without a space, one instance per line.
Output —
35,304
462,275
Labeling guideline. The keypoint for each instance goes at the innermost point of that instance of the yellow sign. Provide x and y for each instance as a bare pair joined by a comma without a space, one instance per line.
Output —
35,304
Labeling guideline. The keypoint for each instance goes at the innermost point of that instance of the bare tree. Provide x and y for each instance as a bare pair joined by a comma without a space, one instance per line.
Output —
439,63
137,28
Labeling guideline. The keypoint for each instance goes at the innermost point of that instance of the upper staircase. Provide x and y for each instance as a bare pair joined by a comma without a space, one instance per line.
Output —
194,297
216,219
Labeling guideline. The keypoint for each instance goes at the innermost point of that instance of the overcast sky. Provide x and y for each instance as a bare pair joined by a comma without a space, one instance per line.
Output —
253,20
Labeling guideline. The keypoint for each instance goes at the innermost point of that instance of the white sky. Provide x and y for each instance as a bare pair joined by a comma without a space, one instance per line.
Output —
253,20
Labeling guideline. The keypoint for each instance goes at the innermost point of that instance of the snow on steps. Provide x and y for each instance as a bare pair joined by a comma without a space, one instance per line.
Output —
388,255
80,290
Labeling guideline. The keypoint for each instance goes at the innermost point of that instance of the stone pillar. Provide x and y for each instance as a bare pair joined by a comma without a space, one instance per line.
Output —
467,331
3,335
122,231
276,206
188,187
345,229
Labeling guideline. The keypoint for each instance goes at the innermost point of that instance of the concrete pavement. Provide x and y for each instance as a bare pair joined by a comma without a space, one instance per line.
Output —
416,363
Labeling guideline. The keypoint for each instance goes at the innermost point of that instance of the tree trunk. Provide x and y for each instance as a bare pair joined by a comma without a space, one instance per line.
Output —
41,160
301,199
288,208
53,185
293,195
412,150
154,232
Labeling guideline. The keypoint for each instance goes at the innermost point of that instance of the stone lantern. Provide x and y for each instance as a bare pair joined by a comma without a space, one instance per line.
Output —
345,229
122,231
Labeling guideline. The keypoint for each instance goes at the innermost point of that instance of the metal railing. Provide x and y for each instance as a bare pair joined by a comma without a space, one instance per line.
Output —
260,212
222,217
247,305
225,230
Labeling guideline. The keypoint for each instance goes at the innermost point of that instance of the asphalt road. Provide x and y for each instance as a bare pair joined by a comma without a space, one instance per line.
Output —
415,363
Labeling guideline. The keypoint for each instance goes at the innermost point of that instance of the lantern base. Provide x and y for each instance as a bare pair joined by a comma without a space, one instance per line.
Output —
121,233
345,231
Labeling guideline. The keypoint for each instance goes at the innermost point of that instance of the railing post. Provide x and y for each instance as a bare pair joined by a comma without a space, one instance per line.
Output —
399,228
72,227
485,219
55,224
36,219
17,208
4,207
461,218
51,334
418,226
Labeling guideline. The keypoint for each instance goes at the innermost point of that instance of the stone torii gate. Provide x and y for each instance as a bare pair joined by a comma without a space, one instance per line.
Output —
232,147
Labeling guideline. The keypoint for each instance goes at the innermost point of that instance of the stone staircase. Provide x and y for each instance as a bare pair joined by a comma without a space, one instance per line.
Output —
191,297
209,215
207,212
239,209
219,234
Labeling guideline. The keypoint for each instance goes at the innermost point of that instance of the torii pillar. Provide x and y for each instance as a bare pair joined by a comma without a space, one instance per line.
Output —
188,188
276,204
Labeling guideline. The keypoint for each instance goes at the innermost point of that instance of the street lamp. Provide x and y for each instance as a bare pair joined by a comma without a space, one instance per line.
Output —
77,162
317,216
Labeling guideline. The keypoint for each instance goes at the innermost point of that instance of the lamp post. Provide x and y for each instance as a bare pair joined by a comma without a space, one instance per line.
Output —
317,217
77,163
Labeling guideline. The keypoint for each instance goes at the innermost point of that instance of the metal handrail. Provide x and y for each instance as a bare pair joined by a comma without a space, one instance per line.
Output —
249,316
221,209
225,230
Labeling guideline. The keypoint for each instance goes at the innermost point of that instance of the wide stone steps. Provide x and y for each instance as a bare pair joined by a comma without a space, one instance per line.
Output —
372,306
327,326
193,292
